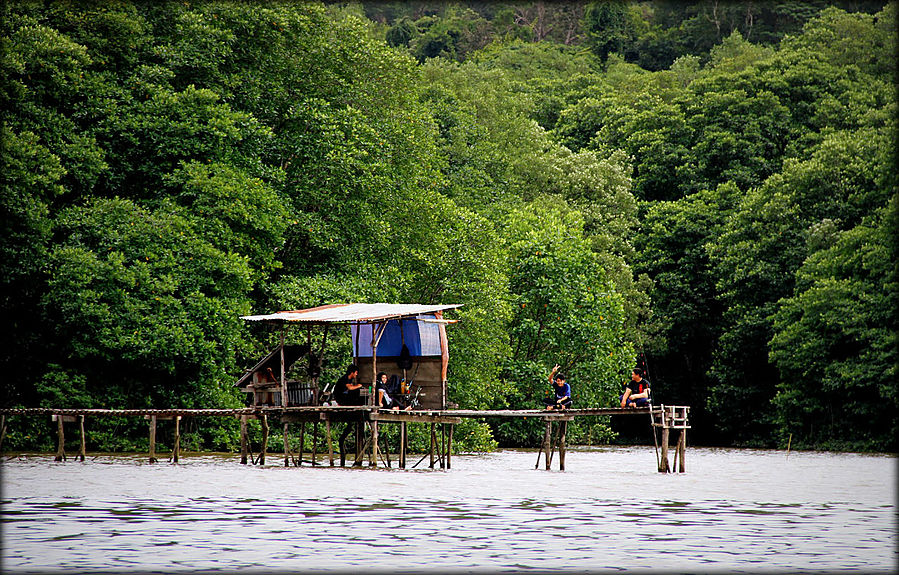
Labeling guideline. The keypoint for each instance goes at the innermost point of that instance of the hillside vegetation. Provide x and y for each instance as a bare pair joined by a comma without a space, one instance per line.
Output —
708,189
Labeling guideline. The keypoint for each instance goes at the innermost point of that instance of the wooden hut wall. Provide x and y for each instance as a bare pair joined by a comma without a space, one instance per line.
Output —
429,376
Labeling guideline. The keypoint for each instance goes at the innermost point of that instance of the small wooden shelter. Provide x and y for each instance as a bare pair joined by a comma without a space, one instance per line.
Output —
406,340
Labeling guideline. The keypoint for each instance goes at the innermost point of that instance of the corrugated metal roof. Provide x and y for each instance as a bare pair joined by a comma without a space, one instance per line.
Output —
351,312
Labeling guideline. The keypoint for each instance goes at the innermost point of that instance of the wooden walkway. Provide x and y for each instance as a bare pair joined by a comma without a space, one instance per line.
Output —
662,417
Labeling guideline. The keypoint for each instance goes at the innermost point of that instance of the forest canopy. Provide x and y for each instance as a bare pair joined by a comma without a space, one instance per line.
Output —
705,188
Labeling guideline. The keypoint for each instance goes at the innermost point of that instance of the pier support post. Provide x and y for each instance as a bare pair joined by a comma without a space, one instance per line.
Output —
373,454
449,447
264,422
563,429
61,434
433,444
314,443
152,439
547,444
286,442
176,450
682,449
330,445
663,462
402,451
243,439
82,450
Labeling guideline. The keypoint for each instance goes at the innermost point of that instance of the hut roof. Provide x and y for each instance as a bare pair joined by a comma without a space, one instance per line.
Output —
351,313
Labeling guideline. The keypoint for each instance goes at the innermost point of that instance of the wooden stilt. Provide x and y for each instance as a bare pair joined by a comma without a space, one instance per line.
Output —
341,442
243,439
264,422
663,462
402,455
386,451
441,454
433,444
682,442
373,456
449,447
82,450
176,450
286,445
360,444
330,446
61,450
314,443
152,439
563,429
547,444
299,460
2,431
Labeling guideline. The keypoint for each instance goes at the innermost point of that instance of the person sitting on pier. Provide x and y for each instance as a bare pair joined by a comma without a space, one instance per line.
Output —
561,398
346,392
636,392
389,394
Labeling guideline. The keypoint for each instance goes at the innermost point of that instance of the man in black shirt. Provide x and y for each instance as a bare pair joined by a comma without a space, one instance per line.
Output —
636,394
346,392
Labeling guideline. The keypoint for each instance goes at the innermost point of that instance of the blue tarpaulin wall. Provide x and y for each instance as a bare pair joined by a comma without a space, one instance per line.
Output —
422,339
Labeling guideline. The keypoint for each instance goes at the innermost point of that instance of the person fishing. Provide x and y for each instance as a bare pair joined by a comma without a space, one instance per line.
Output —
561,397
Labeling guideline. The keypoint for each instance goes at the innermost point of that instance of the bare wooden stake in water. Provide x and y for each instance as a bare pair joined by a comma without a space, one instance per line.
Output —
176,450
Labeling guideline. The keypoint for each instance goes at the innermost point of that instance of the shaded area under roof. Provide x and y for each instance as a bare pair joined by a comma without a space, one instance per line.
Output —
351,313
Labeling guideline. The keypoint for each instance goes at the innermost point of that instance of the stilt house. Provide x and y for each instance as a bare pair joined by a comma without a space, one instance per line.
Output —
406,340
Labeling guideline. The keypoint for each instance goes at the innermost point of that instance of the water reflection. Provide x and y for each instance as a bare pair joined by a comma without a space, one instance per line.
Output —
733,510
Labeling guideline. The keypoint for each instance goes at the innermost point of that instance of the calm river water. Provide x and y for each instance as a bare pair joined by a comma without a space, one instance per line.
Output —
733,511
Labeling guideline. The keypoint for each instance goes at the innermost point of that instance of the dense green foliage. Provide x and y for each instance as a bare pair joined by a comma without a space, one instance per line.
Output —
707,185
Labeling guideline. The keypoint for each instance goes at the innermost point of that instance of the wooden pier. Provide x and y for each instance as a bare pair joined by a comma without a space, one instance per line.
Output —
368,443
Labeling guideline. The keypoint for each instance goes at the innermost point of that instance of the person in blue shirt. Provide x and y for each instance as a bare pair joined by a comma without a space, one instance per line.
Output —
561,397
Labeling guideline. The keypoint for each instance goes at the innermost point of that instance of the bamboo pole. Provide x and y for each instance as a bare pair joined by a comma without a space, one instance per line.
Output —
152,439
82,451
61,434
243,439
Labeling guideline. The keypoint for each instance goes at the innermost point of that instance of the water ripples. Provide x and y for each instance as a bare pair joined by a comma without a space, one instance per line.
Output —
490,514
